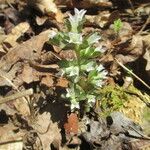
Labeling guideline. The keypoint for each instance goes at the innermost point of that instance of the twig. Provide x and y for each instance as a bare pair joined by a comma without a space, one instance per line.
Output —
12,141
132,7
142,135
138,95
145,24
10,5
16,96
13,85
124,67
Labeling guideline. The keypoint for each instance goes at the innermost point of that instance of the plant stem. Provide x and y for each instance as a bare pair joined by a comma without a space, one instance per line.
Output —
78,58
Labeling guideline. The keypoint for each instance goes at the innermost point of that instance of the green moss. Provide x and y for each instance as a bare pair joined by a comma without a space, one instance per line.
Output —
114,97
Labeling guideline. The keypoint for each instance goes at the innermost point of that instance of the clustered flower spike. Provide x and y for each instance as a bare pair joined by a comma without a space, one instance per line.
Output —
76,19
85,76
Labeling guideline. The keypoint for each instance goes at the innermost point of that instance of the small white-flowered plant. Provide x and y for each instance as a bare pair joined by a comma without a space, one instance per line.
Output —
85,76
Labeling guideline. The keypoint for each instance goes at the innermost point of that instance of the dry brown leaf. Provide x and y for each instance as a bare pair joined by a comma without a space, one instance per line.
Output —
11,39
27,74
40,20
28,50
10,75
8,108
47,131
48,81
146,56
71,127
133,52
22,106
45,6
62,82
2,35
59,16
11,139
100,20
87,3
126,32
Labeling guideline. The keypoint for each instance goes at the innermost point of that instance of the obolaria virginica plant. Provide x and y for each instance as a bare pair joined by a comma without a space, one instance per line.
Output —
85,76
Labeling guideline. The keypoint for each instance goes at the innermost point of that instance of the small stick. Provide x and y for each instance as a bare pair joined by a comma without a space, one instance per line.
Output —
145,24
143,136
13,85
124,67
16,96
132,7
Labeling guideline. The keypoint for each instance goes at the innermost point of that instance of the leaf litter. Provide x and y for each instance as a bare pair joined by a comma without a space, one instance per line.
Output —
27,61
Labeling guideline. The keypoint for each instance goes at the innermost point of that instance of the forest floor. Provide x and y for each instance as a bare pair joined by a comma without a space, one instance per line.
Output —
33,114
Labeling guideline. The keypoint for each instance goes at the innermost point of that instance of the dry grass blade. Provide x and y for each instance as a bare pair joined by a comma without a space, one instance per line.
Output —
16,96
124,67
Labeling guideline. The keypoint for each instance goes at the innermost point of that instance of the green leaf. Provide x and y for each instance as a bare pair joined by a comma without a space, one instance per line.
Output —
65,63
59,40
117,25
92,74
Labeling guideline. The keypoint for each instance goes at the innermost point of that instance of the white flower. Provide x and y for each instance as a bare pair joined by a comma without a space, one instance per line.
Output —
103,74
100,68
52,35
75,38
69,92
93,38
90,66
99,83
100,49
78,16
75,105
76,19
72,71
91,98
